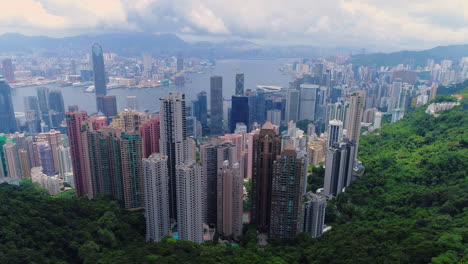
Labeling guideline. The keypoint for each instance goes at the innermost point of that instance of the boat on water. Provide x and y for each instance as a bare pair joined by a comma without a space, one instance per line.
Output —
90,89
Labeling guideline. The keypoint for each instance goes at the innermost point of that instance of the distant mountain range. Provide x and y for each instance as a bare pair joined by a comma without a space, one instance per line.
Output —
135,44
416,58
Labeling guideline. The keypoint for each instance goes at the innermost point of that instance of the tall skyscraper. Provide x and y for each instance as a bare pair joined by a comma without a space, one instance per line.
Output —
335,132
239,111
189,202
107,104
56,108
239,84
339,167
8,72
212,156
98,69
32,104
313,214
353,123
200,108
156,184
216,105
229,200
43,98
7,113
287,189
266,147
338,111
308,102
173,131
74,122
10,150
395,96
132,172
292,105
180,64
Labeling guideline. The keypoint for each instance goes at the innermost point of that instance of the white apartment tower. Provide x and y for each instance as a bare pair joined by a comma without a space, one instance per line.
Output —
156,182
189,202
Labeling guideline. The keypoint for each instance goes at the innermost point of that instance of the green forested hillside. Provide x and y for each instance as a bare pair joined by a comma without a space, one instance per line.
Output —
409,207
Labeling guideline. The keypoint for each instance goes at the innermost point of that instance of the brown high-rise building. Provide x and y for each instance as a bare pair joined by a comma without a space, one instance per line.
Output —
353,123
266,147
150,136
286,194
74,122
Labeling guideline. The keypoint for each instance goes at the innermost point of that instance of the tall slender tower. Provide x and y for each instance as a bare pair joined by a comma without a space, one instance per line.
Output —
230,197
200,108
57,106
216,105
8,71
98,69
353,124
212,155
239,111
309,102
43,98
7,113
173,131
239,84
286,194
156,185
74,122
313,214
10,150
189,202
266,147
292,105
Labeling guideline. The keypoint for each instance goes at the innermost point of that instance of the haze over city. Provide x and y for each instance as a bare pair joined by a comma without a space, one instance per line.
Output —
375,25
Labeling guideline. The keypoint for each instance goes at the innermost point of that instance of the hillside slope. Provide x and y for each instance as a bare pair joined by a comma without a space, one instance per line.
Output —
409,207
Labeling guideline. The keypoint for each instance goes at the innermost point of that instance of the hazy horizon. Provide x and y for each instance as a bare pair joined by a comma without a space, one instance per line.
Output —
374,25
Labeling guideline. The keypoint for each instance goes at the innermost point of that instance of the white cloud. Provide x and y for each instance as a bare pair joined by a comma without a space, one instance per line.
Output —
368,23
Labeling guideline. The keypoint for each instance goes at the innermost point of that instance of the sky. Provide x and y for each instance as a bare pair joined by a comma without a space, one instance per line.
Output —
374,24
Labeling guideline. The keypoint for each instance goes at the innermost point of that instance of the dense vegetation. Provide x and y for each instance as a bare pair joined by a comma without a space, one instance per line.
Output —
409,207
459,88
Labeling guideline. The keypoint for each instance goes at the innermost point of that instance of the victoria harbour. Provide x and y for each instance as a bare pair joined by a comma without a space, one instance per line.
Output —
257,72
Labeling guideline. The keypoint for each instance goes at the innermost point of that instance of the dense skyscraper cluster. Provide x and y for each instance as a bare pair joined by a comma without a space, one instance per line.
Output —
188,164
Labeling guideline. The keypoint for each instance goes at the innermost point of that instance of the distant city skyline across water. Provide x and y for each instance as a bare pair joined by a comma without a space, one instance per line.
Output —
257,72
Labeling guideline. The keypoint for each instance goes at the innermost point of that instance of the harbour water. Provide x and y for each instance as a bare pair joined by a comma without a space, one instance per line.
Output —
257,72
